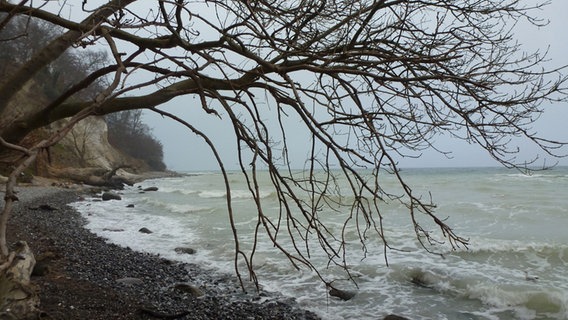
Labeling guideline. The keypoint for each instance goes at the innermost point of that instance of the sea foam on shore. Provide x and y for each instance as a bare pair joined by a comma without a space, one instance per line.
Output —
82,283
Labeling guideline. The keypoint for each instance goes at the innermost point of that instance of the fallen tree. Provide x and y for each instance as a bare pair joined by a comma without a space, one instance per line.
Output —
97,177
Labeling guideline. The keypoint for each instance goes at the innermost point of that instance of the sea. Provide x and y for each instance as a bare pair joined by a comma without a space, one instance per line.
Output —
516,224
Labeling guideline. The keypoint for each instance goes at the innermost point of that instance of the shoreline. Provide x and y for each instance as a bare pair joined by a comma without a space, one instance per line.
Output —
88,278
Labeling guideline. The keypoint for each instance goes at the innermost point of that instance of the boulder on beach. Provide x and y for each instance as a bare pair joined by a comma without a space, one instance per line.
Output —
110,196
145,230
184,250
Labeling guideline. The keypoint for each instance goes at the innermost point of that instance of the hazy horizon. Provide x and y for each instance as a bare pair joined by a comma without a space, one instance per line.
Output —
183,151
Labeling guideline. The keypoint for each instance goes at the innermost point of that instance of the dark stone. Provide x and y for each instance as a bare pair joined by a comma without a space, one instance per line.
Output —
341,294
184,250
394,317
151,189
110,196
130,206
418,279
145,230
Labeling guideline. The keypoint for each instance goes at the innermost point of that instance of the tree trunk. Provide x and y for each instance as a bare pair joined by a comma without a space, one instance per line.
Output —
92,176
18,297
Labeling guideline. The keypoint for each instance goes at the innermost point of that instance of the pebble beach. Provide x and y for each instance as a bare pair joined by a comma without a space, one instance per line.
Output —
84,277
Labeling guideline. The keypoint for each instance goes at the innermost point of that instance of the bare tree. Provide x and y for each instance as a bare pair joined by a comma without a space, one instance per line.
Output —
371,80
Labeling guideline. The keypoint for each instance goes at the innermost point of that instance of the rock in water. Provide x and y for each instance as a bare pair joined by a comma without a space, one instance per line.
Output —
394,317
145,230
341,294
530,277
185,250
151,189
110,196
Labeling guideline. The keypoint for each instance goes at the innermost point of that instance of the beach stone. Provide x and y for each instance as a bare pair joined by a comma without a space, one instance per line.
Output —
151,189
189,288
129,281
184,250
145,230
110,196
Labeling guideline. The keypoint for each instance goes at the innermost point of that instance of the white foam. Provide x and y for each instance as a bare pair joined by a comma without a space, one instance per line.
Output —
120,226
235,194
487,280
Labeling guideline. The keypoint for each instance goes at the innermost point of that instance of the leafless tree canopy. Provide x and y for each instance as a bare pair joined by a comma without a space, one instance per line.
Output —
371,80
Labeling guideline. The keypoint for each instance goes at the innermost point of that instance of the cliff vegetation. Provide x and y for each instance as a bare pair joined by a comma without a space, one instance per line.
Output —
95,144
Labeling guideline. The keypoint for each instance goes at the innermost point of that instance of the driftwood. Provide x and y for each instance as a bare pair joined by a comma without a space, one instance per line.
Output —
18,298
97,177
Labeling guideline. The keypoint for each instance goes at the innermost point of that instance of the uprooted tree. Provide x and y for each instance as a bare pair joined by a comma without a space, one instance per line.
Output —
371,81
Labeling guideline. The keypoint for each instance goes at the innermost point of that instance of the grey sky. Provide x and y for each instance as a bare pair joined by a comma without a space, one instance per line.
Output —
183,151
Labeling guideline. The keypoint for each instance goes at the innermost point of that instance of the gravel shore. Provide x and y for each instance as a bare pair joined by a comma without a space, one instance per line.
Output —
81,276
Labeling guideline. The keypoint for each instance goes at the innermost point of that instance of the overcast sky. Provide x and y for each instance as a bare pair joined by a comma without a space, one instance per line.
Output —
184,152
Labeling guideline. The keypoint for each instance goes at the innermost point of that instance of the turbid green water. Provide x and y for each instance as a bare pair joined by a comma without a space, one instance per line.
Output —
515,223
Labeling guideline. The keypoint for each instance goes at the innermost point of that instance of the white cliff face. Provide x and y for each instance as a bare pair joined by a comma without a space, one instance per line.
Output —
89,142
85,146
